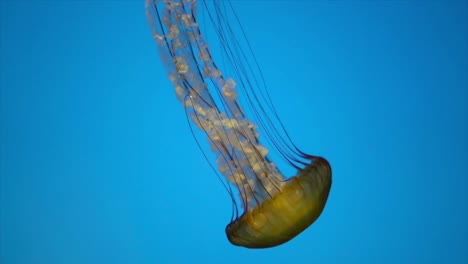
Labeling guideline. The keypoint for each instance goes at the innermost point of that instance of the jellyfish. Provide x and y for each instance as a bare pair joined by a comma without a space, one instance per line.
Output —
269,209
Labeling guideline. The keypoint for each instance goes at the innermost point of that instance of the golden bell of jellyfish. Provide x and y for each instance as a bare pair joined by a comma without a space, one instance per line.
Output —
275,209
288,212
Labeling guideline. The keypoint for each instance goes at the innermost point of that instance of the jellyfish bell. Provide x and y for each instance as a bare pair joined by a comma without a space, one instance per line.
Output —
290,211
275,209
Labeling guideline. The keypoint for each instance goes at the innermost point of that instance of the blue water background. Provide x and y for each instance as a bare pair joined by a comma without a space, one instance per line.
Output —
98,164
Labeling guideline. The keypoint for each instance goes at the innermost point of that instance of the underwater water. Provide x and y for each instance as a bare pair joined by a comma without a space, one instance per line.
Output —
98,164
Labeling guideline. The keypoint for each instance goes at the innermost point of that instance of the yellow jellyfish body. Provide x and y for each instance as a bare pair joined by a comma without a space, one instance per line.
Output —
275,209
288,212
